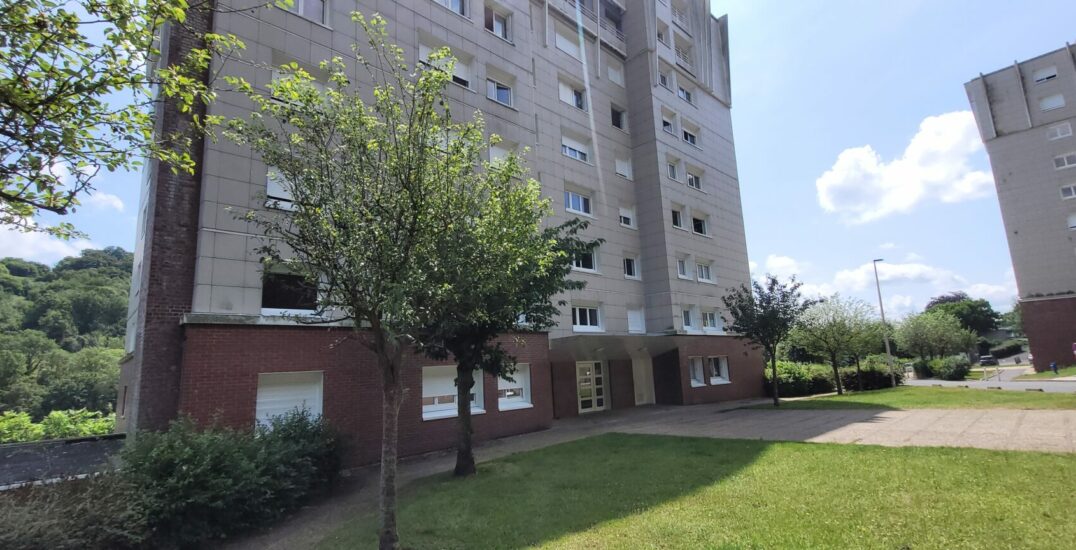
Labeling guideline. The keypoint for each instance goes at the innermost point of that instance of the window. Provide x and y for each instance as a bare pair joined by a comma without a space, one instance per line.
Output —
501,93
703,271
499,24
574,149
619,118
698,225
280,393
576,202
685,94
498,152
627,217
573,95
1059,131
1050,103
585,261
693,180
615,71
677,218
691,138
458,6
310,9
689,321
636,320
586,319
278,191
663,79
439,392
1068,192
681,268
515,394
672,170
719,369
623,168
461,70
567,41
1045,74
667,125
286,293
1072,222
695,366
663,34
1068,160
631,267
709,320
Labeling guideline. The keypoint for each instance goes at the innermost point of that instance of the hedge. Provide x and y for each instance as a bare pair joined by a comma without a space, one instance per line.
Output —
1008,348
800,379
956,367
17,427
183,487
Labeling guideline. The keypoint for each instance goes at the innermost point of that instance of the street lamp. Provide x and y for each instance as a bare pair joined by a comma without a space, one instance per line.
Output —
885,327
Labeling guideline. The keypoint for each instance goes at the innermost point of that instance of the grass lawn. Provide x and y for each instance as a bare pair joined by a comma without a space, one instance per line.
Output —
1067,371
641,491
918,397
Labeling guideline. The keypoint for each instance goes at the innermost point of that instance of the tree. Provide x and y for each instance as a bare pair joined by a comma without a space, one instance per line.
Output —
387,205
934,334
62,67
765,315
975,315
508,276
867,340
1013,319
834,327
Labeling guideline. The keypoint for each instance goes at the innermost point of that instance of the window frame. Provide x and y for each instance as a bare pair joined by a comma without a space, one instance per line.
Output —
678,218
689,137
278,379
699,266
585,201
687,318
628,174
462,11
1045,107
672,170
597,316
1044,74
696,369
717,367
1072,190
574,153
298,6
286,311
1068,160
490,23
614,111
525,400
577,259
1059,131
682,271
694,181
640,314
636,274
438,411
631,217
685,94
705,221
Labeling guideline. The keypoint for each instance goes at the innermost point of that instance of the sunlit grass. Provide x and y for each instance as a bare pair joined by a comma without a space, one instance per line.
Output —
918,397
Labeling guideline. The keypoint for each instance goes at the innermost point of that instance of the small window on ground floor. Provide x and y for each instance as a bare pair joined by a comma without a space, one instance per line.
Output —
439,392
287,294
280,393
695,365
516,393
718,368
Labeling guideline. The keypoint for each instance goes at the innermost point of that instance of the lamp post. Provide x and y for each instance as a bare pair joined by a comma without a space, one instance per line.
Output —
885,327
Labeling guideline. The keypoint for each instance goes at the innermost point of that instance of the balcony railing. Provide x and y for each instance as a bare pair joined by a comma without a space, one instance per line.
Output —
680,18
568,6
684,57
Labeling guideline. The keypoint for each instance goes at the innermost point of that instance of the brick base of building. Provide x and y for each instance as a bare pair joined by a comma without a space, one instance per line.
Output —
1050,325
221,364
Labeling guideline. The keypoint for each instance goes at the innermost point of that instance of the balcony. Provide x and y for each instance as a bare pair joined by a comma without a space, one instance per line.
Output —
605,30
679,16
684,59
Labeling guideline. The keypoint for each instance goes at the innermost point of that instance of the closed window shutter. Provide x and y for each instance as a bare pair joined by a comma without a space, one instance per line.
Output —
636,320
623,167
283,392
577,145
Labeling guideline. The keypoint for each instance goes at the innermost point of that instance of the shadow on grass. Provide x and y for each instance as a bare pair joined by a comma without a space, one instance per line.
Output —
535,497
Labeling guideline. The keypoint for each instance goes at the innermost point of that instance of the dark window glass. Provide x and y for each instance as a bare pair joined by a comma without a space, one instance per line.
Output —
287,291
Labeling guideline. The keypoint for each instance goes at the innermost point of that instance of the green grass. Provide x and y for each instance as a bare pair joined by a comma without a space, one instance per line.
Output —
1067,371
918,397
638,491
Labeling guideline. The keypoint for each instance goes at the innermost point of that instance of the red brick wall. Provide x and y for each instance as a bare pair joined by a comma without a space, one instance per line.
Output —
1050,326
621,384
745,369
565,396
221,364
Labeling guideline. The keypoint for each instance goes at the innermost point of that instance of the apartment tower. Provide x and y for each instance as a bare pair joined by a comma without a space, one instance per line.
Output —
624,107
1026,113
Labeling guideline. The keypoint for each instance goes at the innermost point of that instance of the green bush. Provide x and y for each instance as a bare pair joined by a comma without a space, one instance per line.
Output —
1008,348
100,512
799,379
875,375
18,427
198,485
950,368
922,369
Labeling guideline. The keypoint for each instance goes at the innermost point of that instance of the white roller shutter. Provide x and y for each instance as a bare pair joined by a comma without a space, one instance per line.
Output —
282,392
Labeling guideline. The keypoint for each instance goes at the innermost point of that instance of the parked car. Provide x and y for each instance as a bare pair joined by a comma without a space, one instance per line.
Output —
988,361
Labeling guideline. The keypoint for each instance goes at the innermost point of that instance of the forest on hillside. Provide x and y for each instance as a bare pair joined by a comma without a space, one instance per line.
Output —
61,332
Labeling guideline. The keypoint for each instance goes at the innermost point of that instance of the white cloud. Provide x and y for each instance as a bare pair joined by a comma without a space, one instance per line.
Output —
899,306
104,201
887,246
38,247
862,187
782,266
752,265
861,277
913,257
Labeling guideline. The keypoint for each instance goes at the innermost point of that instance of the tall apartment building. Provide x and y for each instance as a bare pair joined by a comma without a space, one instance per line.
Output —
1026,113
624,107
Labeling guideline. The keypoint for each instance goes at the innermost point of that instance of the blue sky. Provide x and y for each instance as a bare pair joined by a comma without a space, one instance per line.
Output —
815,83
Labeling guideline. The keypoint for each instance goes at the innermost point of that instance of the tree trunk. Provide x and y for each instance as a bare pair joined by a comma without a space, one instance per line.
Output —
859,376
836,374
776,384
464,450
389,356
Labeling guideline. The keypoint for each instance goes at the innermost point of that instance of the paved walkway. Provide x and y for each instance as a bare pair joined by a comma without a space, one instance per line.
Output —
988,429
1051,386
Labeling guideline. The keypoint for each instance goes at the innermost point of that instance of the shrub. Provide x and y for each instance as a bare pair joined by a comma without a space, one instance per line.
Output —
799,379
951,368
206,484
875,375
100,512
18,427
922,369
1008,348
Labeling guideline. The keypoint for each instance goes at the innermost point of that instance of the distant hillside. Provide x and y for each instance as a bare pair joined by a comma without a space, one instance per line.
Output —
61,331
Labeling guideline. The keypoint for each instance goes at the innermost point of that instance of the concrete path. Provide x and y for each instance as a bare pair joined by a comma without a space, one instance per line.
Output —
989,429
1052,386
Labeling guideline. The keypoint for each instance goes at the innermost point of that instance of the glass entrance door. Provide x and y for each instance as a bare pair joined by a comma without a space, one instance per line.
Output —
590,382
